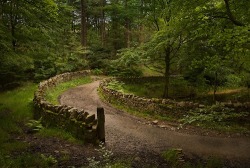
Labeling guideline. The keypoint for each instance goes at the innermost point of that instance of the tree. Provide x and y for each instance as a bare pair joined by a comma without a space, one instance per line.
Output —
83,23
103,33
162,49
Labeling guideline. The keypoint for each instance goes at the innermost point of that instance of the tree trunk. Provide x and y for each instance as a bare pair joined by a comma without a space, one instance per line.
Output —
167,72
215,86
127,27
127,33
115,31
83,23
103,3
141,29
13,24
1,12
70,3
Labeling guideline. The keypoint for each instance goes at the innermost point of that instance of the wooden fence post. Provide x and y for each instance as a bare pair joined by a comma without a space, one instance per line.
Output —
101,124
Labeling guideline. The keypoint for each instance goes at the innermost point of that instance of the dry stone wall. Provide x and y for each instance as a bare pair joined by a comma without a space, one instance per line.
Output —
77,121
164,107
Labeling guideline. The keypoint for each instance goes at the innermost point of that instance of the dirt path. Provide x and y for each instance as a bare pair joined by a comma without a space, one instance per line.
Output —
126,134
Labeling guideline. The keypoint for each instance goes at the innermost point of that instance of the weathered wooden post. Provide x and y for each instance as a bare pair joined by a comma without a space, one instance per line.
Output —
101,124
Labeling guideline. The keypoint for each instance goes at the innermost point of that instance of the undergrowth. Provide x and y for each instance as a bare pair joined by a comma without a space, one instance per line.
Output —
16,116
15,110
59,133
105,159
177,159
179,89
215,117
218,117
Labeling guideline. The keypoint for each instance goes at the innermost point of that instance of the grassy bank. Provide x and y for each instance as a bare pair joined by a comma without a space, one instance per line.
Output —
16,110
53,93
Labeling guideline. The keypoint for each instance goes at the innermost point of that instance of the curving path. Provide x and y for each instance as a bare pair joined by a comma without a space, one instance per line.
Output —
129,135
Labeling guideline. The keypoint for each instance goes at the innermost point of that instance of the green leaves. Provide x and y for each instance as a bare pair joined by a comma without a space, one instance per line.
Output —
215,113
35,125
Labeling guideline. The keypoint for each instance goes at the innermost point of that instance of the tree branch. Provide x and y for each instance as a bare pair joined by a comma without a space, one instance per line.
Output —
231,16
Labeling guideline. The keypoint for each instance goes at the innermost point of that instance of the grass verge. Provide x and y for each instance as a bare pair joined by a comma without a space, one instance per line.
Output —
16,110
53,93
144,114
61,134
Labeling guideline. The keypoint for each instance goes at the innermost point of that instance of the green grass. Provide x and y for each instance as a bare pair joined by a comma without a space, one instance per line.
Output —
149,72
27,160
53,93
172,156
181,90
144,114
178,88
16,105
59,133
16,110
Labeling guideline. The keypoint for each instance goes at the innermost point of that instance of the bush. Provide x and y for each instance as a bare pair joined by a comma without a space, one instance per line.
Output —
233,80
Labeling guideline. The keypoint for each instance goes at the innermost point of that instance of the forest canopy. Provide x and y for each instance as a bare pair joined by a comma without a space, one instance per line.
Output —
201,40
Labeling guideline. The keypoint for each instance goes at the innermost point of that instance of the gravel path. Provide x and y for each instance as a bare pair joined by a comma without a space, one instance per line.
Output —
129,135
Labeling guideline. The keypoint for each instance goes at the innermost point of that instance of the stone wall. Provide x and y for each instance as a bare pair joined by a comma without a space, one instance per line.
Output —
164,107
76,121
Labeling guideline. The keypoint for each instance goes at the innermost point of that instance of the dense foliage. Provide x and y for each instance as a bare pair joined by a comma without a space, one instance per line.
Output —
205,41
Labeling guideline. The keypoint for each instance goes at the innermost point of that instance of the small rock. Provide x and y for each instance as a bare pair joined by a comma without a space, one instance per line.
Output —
155,122
172,129
181,104
137,159
56,151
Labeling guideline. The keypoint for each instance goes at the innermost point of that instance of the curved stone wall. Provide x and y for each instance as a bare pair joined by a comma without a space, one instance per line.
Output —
164,107
76,121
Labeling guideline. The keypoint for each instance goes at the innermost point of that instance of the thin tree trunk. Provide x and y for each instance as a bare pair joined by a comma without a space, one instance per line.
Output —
215,86
72,17
12,25
127,27
83,23
1,12
103,3
114,31
127,33
167,71
141,33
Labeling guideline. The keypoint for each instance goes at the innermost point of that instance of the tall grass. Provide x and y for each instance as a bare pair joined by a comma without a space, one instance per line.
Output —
17,104
15,110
